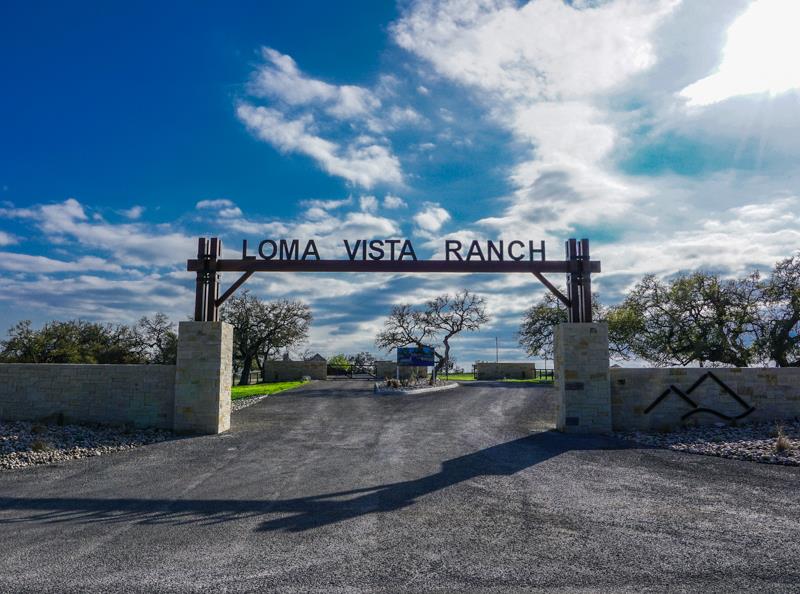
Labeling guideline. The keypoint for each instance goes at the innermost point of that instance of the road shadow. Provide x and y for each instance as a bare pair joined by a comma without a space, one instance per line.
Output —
306,513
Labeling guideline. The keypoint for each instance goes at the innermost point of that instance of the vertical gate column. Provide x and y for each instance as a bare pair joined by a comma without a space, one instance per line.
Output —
582,378
203,377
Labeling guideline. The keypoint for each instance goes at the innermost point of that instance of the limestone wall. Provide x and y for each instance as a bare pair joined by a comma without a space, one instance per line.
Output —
193,396
111,394
288,371
498,371
774,393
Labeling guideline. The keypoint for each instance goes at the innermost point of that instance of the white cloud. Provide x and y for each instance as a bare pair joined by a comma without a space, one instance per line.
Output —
544,91
368,203
134,244
365,164
92,297
521,51
7,239
280,78
741,238
133,213
215,204
222,207
432,218
756,57
27,263
327,204
400,116
392,202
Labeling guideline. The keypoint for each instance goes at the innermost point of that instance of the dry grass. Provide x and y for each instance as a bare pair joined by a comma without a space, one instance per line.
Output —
782,443
40,446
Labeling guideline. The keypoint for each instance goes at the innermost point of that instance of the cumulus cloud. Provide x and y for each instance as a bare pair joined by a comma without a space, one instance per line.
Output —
133,213
134,244
368,203
222,207
754,59
94,297
519,51
344,128
7,239
543,91
431,218
280,78
41,264
391,202
362,162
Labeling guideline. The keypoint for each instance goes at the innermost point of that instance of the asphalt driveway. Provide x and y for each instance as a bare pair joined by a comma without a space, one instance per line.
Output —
332,489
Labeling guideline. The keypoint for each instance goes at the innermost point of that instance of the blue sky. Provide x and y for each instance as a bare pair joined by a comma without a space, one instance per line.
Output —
666,131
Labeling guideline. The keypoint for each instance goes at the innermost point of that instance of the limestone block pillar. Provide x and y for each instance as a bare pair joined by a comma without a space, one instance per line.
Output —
582,378
203,377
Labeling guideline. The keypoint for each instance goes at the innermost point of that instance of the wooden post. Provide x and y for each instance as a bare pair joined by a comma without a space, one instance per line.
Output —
200,288
573,281
586,283
212,287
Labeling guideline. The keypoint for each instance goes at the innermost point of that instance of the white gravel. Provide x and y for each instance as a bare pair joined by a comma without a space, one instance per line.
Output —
27,444
241,403
755,443
415,389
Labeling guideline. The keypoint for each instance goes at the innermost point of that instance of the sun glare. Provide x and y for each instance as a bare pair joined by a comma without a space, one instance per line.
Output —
762,55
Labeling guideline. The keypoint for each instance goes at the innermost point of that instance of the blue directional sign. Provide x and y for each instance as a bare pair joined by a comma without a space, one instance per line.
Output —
416,356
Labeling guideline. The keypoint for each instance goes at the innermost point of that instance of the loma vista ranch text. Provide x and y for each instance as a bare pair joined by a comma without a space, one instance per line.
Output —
400,249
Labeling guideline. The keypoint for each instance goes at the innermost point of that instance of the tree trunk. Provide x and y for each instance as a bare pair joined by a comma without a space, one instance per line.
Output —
244,378
443,361
264,363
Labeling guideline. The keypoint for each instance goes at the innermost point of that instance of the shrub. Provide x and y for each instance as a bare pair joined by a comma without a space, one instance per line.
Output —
782,443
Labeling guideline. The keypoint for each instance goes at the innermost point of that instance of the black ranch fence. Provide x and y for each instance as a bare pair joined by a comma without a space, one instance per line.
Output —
341,370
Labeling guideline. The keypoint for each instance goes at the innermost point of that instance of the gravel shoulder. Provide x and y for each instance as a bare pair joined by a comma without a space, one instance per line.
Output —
25,444
768,443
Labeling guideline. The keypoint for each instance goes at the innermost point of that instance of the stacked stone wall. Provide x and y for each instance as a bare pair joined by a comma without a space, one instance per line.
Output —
142,395
288,371
773,393
499,371
203,377
582,378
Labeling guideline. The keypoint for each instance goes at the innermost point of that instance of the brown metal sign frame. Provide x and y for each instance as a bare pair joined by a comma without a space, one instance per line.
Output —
578,267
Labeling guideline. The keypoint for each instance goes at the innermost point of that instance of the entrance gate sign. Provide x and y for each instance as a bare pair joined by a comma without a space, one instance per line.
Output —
416,356
399,250
397,256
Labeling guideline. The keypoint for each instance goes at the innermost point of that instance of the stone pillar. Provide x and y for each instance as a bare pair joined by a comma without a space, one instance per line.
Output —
203,377
582,378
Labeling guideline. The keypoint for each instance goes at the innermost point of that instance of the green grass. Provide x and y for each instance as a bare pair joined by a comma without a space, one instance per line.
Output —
467,377
262,389
459,377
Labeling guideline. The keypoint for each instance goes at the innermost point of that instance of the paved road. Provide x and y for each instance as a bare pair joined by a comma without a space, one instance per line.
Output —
332,489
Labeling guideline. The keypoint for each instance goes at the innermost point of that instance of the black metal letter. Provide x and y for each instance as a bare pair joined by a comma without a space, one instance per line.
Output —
455,250
261,249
